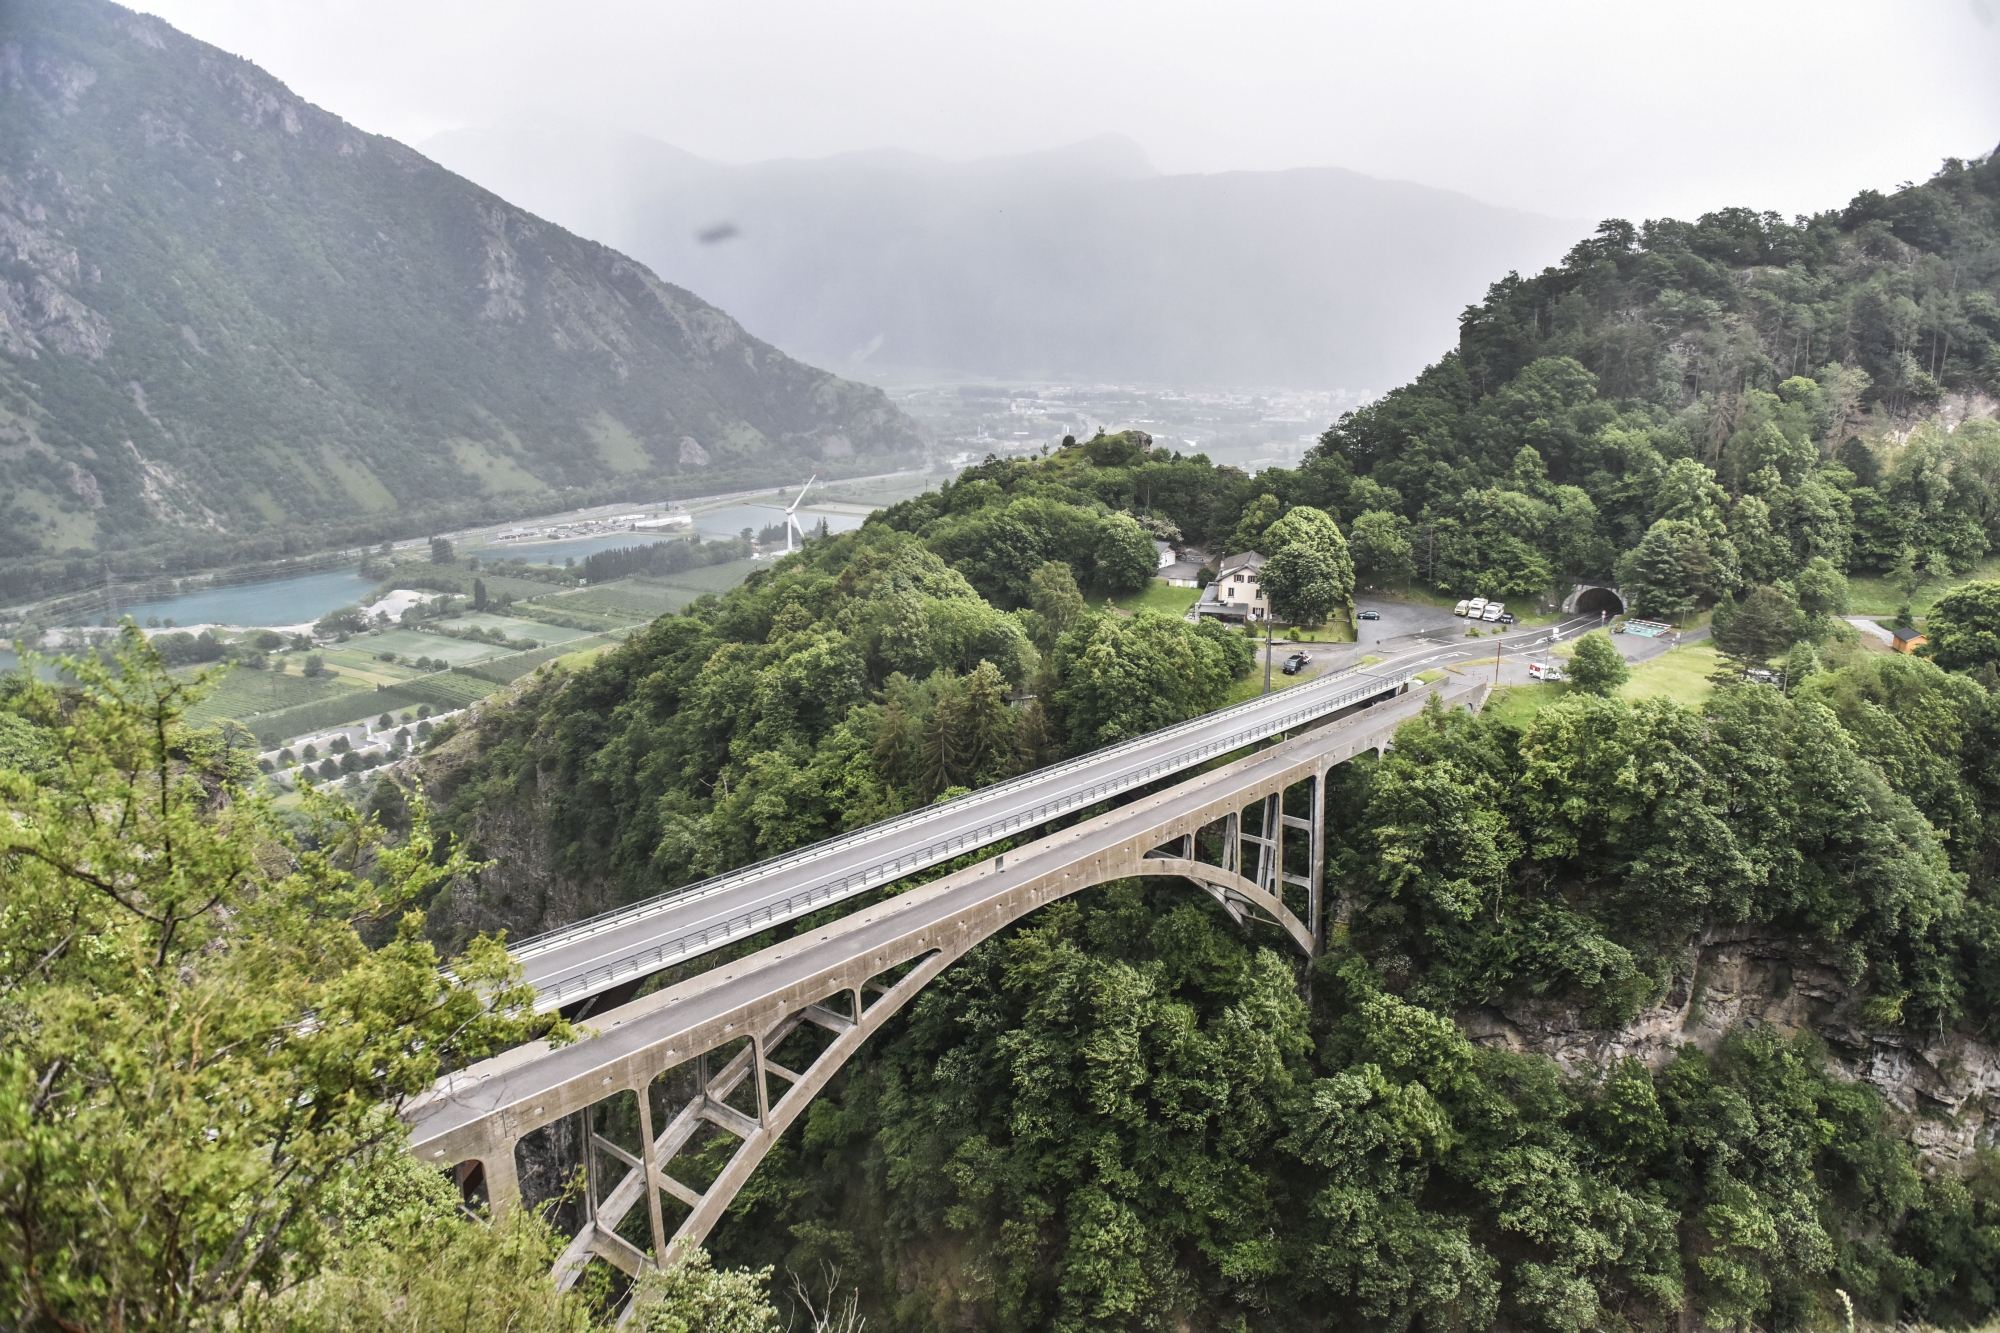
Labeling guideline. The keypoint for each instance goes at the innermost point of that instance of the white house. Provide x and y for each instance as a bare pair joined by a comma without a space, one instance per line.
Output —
1236,593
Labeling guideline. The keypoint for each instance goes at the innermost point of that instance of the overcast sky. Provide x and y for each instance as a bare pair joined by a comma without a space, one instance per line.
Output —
1585,108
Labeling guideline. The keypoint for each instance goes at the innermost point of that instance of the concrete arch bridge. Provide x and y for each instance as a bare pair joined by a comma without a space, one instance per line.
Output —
738,1052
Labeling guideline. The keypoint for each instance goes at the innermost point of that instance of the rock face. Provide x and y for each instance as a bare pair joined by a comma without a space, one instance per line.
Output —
233,325
1946,1085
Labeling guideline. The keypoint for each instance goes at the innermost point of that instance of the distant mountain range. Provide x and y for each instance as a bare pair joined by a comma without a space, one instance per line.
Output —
233,326
1084,262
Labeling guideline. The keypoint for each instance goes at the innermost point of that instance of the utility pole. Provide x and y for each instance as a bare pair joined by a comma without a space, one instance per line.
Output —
1269,624
1499,647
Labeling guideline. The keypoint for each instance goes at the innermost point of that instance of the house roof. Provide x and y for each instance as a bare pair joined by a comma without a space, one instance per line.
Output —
1908,633
1249,560
1180,569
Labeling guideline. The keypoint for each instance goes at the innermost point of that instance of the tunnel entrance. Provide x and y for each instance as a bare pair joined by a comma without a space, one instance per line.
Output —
1593,601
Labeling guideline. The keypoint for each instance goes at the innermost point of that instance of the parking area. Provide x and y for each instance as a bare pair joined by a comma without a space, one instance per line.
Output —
1402,619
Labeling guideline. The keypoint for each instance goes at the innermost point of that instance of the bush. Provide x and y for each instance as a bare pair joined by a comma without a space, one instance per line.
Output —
1596,667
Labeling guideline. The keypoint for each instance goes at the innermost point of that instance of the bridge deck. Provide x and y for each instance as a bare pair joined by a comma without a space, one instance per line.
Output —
485,1108
595,955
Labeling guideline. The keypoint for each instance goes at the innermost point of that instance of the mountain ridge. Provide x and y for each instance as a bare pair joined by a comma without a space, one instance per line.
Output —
233,326
1082,261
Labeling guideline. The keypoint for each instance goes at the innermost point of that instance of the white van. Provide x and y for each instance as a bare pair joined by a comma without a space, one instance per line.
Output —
1474,608
1459,610
1493,611
1544,671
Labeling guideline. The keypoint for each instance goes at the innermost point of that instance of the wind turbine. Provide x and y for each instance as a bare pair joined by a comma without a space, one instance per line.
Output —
791,515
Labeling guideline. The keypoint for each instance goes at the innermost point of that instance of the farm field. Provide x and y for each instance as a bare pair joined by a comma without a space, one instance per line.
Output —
711,578
642,599
506,670
508,625
409,643
243,694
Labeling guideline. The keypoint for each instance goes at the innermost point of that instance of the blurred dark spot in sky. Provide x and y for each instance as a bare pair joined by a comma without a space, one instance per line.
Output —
721,231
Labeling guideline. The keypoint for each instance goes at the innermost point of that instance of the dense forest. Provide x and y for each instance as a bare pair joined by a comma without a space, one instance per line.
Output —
874,671
1697,408
1128,1113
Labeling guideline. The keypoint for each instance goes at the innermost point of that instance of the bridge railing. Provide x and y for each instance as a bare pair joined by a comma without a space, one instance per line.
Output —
1263,723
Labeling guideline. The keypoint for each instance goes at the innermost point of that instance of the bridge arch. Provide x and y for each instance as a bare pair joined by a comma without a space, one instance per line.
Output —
718,1037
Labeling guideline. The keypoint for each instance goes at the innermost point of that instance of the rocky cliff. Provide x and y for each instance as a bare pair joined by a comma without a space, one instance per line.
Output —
1945,1084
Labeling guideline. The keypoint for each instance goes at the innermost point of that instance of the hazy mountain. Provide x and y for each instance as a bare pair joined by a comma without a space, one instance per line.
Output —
1082,262
232,324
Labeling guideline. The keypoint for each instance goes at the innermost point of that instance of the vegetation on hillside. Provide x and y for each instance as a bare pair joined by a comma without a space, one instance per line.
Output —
234,328
947,643
1698,409
208,1022
1124,1114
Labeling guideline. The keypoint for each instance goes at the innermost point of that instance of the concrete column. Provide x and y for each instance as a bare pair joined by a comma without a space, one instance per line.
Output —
1317,893
648,1155
1274,850
757,1067
503,1179
590,1189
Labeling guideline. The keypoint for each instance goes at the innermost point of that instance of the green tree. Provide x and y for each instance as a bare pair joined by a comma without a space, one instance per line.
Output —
1963,628
176,1135
1126,556
1597,666
1763,626
1380,544
1256,520
1675,569
1122,678
405,1255
1053,595
692,1297
479,594
1308,575
1822,592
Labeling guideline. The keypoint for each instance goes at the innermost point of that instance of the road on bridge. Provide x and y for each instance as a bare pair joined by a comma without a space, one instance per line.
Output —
593,956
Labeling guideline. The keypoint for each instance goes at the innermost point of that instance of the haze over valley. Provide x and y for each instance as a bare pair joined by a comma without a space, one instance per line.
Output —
1080,263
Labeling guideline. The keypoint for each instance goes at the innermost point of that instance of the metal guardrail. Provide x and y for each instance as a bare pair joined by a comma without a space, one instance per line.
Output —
798,904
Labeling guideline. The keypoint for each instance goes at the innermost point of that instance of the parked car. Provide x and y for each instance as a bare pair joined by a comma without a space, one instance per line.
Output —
1296,663
1509,618
1475,608
1493,611
1371,615
1544,671
1461,608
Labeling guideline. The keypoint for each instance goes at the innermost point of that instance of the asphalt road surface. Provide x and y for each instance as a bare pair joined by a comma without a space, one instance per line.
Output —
595,955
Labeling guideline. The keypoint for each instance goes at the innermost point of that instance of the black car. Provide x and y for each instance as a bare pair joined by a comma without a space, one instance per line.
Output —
1296,663
1508,619
1371,615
